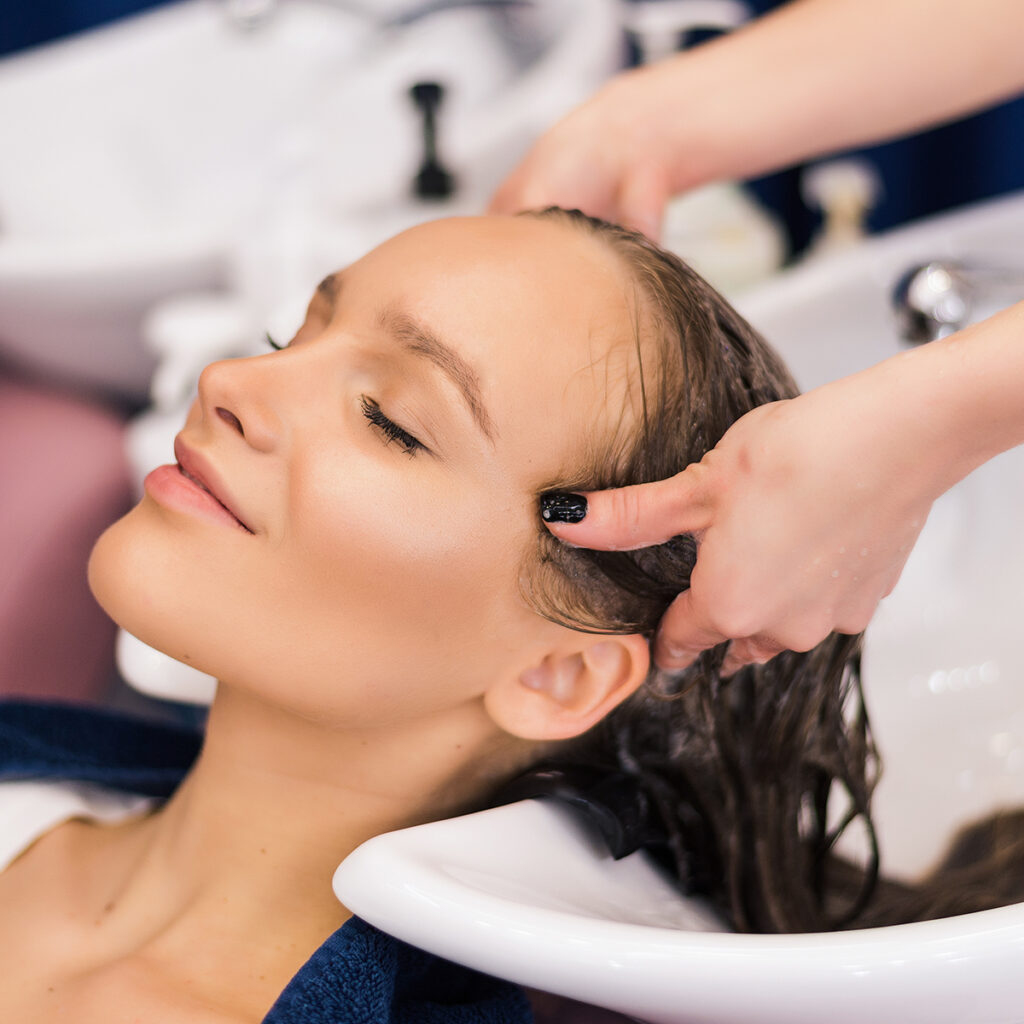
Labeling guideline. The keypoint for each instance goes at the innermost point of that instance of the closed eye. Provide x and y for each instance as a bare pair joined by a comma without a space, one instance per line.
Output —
392,431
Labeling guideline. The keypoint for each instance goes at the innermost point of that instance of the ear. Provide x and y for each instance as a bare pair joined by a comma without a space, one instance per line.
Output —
571,689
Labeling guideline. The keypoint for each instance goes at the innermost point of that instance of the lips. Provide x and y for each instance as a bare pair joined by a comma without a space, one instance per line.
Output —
194,467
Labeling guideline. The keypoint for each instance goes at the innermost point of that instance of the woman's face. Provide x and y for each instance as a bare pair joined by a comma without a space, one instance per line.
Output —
386,466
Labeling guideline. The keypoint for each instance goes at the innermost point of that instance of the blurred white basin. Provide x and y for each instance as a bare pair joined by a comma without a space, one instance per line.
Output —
139,158
522,892
943,666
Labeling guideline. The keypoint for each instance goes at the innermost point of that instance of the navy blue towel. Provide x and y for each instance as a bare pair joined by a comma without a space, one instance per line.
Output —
69,741
358,976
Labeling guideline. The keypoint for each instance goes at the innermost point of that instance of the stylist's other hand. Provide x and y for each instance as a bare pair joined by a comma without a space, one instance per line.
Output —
804,515
610,157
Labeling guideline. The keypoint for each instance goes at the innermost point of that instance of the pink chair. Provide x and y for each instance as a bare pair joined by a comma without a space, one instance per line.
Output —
63,479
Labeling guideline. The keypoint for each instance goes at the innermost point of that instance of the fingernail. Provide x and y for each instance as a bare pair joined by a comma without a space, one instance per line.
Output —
673,659
558,507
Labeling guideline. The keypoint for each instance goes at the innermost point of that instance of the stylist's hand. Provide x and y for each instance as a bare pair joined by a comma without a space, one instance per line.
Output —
612,157
804,515
787,86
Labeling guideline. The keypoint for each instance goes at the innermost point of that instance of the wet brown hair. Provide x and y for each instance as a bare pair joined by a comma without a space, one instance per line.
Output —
733,784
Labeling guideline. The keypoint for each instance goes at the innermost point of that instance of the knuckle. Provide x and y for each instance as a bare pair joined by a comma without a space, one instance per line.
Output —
739,652
684,627
680,638
734,620
855,622
627,510
807,635
890,585
858,613
671,650
764,650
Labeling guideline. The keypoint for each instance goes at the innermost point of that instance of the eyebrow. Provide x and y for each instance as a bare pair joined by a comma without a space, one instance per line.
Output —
419,340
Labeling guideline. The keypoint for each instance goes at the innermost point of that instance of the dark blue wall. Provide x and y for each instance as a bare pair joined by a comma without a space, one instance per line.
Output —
25,23
972,159
961,162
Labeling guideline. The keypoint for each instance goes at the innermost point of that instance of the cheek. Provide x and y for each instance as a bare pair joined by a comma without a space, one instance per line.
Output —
383,597
399,574
422,520
394,597
414,552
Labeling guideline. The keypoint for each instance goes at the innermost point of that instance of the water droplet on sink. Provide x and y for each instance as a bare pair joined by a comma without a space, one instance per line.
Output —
989,672
1000,744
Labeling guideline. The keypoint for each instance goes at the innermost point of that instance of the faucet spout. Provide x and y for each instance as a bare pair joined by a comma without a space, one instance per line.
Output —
935,299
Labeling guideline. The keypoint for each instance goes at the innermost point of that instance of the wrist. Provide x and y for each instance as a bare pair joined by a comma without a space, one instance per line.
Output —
979,372
957,402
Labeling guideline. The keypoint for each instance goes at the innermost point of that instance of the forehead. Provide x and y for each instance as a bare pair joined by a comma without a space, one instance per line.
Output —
545,313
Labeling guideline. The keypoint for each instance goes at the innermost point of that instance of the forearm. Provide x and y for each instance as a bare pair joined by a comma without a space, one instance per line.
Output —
951,405
820,75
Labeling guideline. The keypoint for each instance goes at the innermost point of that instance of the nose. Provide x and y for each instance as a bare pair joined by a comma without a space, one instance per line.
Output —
241,395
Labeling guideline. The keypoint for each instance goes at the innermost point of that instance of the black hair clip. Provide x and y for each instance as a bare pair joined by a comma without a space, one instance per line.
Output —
614,804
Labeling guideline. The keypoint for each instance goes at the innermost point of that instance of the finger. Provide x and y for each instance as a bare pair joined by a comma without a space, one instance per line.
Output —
539,183
508,197
631,517
643,194
524,189
683,634
751,650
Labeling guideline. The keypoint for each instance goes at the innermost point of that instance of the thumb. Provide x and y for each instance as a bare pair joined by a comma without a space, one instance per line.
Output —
508,197
643,195
630,517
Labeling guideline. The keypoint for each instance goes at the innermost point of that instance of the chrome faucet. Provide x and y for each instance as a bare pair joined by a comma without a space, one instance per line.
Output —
933,300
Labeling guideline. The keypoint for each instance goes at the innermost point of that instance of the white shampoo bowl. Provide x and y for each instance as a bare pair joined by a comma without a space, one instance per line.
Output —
525,893
156,155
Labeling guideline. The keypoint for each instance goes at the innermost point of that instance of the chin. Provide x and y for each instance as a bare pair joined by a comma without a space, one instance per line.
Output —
165,584
108,575
138,586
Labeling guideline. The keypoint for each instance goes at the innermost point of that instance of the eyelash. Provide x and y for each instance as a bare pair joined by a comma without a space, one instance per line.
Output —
391,430
372,411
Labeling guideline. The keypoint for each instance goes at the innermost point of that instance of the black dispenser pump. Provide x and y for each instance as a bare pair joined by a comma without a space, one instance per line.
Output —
432,181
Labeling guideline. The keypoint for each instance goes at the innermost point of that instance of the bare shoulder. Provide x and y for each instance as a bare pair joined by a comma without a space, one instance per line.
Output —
56,964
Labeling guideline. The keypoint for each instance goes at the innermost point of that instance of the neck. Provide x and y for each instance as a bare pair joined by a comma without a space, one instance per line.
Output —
272,806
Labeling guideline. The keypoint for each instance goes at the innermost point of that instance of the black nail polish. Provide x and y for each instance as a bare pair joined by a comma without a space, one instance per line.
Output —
557,507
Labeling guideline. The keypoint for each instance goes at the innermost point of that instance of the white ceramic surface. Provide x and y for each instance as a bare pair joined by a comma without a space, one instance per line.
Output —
521,892
140,159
